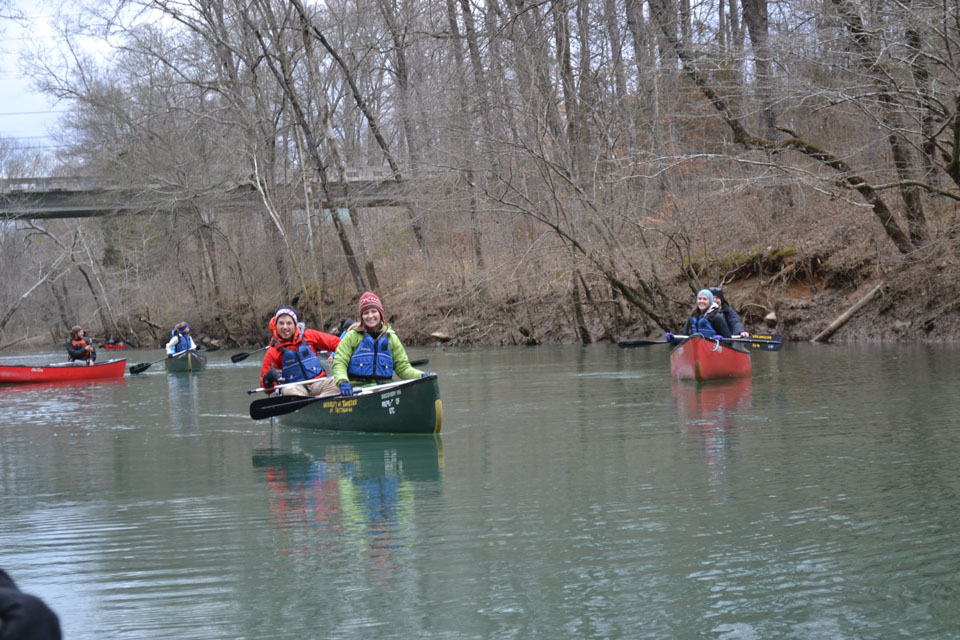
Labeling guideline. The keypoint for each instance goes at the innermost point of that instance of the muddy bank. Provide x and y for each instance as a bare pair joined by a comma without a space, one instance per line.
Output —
915,300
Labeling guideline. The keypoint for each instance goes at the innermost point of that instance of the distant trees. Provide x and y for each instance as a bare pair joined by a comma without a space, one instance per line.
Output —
600,146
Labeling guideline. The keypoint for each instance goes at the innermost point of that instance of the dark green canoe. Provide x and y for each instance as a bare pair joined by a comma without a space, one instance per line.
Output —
185,362
405,406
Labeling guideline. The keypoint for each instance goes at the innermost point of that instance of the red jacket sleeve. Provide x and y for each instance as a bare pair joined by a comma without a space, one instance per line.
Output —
273,358
321,341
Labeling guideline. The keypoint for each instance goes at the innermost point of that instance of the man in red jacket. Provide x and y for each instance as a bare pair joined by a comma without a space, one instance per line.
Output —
294,356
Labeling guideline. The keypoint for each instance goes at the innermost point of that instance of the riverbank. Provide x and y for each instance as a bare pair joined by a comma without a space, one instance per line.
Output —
798,293
901,298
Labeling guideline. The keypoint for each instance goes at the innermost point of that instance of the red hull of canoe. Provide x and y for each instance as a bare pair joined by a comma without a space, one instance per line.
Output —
21,374
701,359
114,346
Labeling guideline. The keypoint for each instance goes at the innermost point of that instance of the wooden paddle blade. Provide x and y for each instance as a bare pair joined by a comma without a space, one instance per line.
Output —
281,405
629,344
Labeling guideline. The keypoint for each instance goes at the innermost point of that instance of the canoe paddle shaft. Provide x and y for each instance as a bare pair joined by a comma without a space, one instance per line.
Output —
760,342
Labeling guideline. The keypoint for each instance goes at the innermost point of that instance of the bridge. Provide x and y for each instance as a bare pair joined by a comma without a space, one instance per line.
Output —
84,197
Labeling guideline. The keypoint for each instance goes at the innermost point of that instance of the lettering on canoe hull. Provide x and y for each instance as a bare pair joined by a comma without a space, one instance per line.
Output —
389,401
340,406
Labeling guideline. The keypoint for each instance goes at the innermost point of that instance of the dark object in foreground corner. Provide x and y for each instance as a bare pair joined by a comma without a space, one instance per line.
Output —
23,616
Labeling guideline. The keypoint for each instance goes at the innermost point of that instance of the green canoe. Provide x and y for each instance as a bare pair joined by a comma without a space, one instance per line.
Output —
405,406
185,362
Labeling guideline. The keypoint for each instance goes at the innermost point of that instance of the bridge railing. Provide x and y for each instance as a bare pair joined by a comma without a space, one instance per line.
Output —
80,197
39,185
86,183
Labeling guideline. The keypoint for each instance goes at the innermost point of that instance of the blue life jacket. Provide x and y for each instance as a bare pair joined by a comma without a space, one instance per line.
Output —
702,326
183,344
372,360
300,364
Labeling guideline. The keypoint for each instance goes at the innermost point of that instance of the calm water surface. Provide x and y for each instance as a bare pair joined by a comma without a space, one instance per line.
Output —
574,493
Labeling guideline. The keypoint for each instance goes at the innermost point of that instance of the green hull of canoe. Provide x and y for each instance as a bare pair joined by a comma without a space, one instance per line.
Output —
406,407
189,363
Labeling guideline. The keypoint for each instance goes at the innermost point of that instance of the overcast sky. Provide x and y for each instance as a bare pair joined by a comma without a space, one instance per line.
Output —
25,115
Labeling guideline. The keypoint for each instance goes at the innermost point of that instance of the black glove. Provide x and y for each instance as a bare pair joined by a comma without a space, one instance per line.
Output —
271,377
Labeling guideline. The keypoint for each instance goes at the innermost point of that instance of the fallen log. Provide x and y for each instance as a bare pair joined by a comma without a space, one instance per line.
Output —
846,315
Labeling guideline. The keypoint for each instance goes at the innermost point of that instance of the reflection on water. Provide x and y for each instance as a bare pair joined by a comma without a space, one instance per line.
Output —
183,391
64,400
711,413
333,491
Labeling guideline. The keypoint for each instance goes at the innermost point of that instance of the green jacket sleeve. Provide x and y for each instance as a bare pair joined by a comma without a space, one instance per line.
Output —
341,358
401,364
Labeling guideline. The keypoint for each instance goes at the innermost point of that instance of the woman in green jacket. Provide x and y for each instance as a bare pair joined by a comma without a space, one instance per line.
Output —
370,351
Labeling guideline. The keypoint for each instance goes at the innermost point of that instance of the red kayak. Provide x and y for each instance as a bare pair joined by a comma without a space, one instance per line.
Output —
67,371
700,359
114,346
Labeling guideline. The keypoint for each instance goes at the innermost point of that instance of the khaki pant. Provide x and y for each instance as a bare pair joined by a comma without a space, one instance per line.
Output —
325,386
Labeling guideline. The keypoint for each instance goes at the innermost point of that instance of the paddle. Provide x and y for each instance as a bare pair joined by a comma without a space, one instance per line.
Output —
143,366
282,405
237,357
761,342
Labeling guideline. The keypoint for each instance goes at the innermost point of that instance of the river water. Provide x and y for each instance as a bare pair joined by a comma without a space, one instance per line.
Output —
573,493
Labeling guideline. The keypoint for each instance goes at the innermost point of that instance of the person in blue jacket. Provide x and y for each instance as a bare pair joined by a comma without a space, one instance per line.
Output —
180,339
345,324
707,319
730,314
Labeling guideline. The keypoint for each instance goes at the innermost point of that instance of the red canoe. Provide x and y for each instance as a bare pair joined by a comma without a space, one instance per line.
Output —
23,373
114,346
697,358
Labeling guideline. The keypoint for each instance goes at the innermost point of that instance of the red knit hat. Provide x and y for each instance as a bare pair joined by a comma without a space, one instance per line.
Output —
370,300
